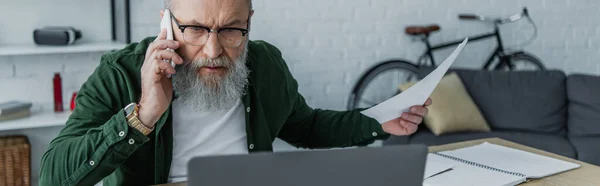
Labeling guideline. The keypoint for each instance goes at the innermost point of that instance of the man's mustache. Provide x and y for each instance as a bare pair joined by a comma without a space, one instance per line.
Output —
216,62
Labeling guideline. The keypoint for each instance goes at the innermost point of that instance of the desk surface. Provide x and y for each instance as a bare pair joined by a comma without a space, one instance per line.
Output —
587,174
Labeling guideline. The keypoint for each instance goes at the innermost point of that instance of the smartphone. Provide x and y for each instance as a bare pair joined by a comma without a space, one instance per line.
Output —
165,23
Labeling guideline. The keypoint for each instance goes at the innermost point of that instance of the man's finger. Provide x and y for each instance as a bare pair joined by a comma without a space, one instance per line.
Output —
412,118
168,55
163,44
408,125
165,67
428,102
180,61
419,110
162,35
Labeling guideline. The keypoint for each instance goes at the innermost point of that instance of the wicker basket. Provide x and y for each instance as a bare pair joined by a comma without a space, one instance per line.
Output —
15,161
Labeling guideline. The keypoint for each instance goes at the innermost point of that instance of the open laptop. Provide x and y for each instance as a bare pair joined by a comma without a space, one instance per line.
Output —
388,165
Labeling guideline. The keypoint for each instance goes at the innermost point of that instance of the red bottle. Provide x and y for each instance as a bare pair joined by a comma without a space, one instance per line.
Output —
73,101
58,102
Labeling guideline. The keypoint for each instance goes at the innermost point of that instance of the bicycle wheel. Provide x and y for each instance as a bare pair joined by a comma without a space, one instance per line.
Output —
521,61
381,82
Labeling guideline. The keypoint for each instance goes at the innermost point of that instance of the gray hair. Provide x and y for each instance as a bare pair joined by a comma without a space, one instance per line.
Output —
168,4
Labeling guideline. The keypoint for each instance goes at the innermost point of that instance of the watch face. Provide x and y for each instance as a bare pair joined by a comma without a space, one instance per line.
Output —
129,108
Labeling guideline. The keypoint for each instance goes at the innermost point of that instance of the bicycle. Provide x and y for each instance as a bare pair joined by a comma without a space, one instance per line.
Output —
499,59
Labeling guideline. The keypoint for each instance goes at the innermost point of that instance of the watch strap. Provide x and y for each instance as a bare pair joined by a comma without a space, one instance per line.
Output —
134,121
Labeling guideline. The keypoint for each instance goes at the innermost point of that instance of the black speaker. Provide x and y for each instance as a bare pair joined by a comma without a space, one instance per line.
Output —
56,35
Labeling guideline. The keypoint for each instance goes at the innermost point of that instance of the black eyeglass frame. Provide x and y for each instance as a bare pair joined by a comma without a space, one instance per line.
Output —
209,30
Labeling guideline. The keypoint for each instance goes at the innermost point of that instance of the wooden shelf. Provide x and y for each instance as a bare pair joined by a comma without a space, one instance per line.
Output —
36,120
32,49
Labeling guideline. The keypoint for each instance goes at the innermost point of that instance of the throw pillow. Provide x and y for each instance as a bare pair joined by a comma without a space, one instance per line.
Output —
453,109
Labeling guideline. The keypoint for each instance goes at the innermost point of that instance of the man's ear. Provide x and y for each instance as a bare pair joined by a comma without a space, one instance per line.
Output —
162,13
250,18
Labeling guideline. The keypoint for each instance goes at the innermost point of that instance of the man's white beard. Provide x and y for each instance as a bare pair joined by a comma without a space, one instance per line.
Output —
211,92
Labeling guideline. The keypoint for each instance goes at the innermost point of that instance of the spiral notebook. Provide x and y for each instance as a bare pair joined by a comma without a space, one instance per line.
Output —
490,164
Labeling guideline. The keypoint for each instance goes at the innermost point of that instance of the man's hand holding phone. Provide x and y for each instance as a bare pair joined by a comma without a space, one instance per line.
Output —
157,89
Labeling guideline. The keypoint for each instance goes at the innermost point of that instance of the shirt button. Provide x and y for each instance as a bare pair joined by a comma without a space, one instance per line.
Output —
131,141
374,133
92,162
251,146
247,109
122,133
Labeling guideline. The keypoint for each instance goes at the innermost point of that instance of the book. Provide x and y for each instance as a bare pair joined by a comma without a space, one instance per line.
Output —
433,167
11,107
15,115
490,164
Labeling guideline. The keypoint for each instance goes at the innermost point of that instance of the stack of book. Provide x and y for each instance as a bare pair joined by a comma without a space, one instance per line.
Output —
14,110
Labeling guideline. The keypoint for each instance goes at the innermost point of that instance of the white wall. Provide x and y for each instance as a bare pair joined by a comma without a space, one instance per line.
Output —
20,17
327,43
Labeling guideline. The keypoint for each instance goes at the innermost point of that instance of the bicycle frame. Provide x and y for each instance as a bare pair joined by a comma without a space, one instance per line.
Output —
498,52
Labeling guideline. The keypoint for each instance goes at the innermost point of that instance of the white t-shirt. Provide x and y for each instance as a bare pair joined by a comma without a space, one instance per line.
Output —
205,133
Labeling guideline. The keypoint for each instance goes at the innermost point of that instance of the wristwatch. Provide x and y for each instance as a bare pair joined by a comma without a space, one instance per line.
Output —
131,113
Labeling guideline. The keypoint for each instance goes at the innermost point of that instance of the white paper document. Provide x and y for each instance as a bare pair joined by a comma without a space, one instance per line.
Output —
415,95
433,166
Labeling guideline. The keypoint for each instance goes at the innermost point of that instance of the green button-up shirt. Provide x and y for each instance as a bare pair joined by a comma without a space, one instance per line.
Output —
97,144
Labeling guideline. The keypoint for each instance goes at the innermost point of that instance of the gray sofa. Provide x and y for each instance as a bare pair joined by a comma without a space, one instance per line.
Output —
546,110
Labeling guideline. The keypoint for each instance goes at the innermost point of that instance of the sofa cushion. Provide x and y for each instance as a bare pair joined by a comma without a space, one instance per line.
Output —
454,110
583,92
588,149
529,101
550,143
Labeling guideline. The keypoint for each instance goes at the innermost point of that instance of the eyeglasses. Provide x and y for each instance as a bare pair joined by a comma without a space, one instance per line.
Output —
197,35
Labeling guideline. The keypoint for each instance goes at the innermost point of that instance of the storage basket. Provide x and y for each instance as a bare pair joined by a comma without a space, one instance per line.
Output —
15,161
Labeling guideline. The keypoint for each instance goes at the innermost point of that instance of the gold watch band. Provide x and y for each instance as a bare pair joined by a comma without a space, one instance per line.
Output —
134,122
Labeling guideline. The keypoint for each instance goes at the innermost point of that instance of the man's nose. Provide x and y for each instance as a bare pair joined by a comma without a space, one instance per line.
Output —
212,48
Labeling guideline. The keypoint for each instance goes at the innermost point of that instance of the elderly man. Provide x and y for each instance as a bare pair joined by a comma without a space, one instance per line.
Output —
133,125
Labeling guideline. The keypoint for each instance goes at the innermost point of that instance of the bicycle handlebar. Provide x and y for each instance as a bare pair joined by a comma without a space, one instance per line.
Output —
510,19
469,17
499,21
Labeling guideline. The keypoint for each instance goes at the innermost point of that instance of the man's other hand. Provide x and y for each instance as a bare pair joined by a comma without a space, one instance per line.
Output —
408,122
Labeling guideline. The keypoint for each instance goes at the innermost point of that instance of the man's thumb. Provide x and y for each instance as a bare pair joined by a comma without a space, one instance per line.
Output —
162,35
